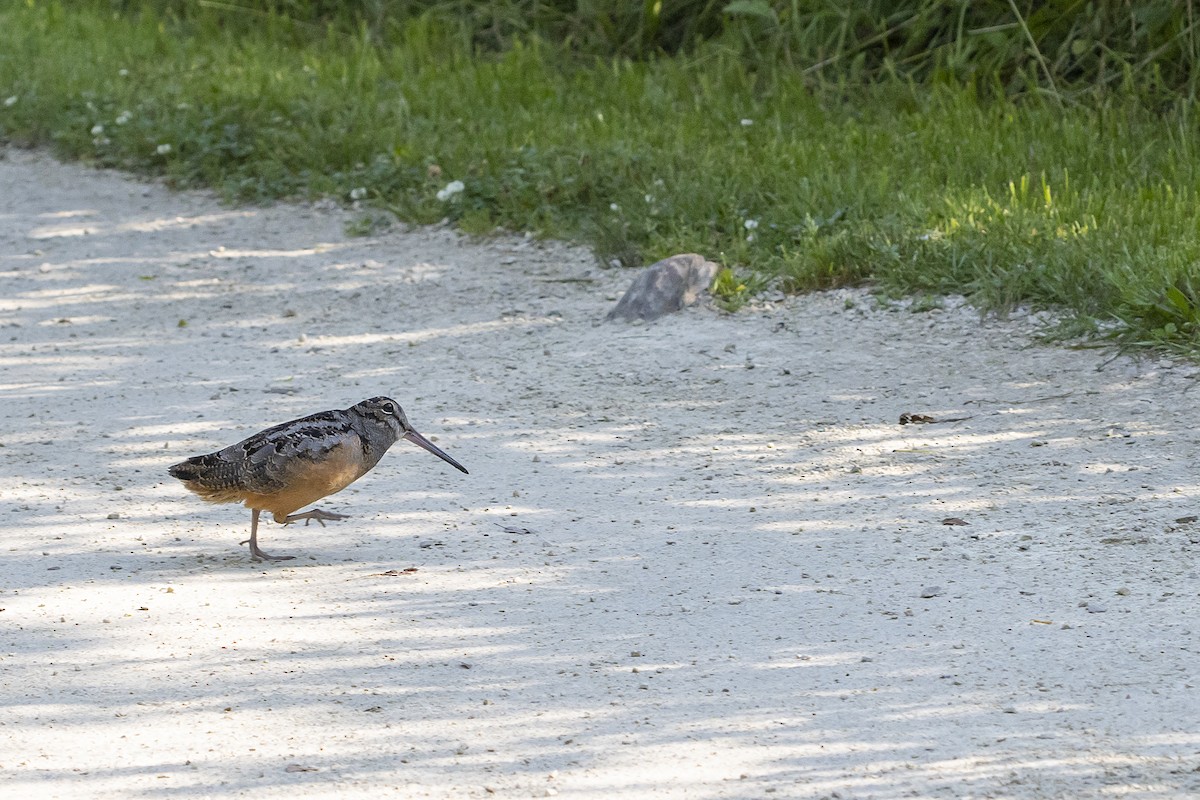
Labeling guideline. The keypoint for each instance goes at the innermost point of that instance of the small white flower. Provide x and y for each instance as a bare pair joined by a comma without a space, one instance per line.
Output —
9,102
750,224
358,193
123,117
97,130
649,198
750,237
452,188
124,73
613,207
746,123
163,149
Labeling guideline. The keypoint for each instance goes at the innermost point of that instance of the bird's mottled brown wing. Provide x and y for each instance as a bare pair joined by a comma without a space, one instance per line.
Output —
272,460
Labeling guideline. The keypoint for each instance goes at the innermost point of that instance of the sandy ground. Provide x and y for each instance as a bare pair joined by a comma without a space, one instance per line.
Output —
689,560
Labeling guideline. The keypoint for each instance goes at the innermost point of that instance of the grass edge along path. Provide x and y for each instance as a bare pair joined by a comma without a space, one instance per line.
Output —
1088,209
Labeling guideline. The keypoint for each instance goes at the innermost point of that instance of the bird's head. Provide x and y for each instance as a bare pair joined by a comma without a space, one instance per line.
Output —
387,413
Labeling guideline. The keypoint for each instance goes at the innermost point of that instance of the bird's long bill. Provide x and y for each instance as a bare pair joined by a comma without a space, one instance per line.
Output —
421,441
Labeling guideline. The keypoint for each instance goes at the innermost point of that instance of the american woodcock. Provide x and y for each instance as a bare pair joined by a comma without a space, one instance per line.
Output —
284,468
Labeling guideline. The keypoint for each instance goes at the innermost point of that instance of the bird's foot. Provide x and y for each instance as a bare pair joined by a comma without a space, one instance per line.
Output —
317,514
259,555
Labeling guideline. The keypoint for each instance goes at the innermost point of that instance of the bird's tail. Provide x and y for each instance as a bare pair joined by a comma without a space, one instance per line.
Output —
191,470
208,477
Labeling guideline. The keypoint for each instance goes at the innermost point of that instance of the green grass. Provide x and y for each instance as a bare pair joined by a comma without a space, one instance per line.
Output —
1056,46
915,188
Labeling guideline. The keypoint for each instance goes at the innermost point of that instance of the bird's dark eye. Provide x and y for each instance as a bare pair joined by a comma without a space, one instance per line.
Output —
388,408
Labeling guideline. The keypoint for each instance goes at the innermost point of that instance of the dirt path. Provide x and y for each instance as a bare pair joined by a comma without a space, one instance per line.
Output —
688,562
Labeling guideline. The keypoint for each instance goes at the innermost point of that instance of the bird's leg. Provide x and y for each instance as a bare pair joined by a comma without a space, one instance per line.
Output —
317,514
255,553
